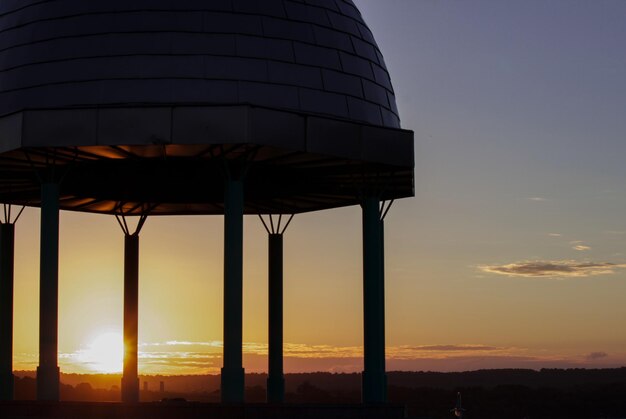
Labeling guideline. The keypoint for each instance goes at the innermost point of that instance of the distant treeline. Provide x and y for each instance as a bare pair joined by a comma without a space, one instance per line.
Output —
553,378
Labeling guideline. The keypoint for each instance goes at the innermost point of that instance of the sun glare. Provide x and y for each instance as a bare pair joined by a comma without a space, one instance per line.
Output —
105,353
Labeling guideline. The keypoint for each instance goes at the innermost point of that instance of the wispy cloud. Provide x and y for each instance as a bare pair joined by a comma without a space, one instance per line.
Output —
537,199
579,245
448,351
447,348
596,355
555,235
553,269
212,344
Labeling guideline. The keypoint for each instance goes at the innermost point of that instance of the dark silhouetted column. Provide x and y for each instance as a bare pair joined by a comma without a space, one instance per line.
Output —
374,378
233,372
7,234
130,378
275,379
48,369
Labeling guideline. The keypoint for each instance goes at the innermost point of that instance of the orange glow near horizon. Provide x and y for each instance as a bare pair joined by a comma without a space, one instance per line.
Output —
489,325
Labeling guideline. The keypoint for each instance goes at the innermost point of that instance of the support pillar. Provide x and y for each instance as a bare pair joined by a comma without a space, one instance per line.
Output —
232,377
374,386
130,377
276,379
48,369
7,235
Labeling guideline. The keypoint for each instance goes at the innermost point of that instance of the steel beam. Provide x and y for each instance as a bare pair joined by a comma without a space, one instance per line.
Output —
7,243
130,378
276,379
232,378
374,386
48,369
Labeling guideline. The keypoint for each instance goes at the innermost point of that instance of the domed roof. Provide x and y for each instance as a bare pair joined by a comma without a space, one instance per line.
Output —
308,56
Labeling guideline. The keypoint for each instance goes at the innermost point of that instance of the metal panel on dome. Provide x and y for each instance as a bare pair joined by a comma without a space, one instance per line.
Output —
69,128
135,126
278,129
11,132
322,137
218,125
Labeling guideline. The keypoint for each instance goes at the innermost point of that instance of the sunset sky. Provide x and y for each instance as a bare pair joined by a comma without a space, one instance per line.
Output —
512,253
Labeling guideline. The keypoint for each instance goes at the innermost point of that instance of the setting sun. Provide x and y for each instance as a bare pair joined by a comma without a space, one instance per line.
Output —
104,354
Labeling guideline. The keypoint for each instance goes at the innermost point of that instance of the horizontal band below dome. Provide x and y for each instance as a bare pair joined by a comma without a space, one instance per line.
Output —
173,159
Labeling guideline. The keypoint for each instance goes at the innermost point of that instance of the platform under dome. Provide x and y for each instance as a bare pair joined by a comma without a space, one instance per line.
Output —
141,102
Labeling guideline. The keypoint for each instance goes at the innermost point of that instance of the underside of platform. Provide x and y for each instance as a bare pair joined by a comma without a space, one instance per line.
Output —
171,160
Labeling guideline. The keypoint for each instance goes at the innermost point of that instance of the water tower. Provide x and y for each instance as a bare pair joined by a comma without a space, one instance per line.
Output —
219,107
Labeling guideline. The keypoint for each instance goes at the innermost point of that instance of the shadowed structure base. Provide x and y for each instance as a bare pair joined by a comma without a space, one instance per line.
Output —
7,385
374,387
48,383
130,388
232,380
277,392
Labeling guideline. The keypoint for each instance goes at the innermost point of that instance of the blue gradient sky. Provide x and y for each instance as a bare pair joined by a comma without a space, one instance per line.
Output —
519,113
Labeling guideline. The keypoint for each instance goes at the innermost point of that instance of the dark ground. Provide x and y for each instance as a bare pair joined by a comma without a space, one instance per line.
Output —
549,393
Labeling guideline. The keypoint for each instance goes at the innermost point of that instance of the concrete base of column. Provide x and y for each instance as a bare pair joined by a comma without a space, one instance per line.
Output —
7,385
48,383
276,389
233,384
130,390
374,387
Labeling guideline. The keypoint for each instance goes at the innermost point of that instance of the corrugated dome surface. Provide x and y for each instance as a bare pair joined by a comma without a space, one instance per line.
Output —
308,56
